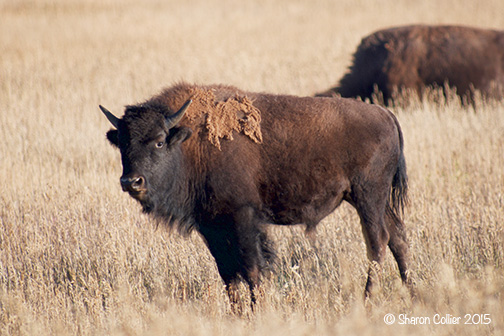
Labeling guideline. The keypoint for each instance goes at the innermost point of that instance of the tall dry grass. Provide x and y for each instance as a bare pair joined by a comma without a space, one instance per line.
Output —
76,255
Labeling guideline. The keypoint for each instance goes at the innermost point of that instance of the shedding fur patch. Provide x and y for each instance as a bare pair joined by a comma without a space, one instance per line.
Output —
221,118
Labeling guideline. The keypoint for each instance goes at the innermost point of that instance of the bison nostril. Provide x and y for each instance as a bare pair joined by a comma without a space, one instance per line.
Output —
133,184
138,183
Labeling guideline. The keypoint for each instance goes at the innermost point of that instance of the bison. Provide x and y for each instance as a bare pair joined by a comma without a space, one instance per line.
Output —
224,162
463,59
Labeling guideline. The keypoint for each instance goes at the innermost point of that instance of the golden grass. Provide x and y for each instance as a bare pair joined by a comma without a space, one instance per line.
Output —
76,255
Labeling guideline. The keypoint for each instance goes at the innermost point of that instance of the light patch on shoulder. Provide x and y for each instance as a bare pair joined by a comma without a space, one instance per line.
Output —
221,118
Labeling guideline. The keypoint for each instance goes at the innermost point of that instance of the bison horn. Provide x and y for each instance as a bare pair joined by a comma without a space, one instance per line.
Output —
174,119
112,118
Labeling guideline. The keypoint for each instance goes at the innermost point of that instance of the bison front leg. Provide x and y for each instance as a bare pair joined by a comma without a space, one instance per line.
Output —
251,243
239,248
221,241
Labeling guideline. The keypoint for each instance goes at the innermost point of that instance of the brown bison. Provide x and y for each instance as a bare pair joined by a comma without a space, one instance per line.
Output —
414,57
225,163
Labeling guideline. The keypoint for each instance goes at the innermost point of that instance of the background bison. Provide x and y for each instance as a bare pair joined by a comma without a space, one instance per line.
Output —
414,57
233,161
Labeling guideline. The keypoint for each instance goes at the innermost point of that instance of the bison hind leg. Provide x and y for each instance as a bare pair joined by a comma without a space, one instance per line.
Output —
371,210
381,227
399,246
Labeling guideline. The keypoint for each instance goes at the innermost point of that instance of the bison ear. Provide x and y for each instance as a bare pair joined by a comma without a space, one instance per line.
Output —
113,138
178,135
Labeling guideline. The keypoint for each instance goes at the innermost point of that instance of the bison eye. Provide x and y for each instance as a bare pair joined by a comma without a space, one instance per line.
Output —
159,144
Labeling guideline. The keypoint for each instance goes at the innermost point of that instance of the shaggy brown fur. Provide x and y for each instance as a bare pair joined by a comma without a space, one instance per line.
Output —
293,162
414,57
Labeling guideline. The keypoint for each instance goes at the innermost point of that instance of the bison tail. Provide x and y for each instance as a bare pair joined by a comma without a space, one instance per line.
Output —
399,191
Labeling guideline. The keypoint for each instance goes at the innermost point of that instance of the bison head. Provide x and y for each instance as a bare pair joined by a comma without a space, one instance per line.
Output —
149,140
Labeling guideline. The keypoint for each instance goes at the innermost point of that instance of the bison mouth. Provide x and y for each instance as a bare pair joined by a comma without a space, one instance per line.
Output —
139,195
143,199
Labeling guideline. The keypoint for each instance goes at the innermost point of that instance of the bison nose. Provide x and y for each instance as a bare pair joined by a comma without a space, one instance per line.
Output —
133,184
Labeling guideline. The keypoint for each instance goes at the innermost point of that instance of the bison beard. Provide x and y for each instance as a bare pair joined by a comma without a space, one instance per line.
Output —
229,162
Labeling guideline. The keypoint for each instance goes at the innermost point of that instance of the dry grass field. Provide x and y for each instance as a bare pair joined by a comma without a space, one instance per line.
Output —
78,258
